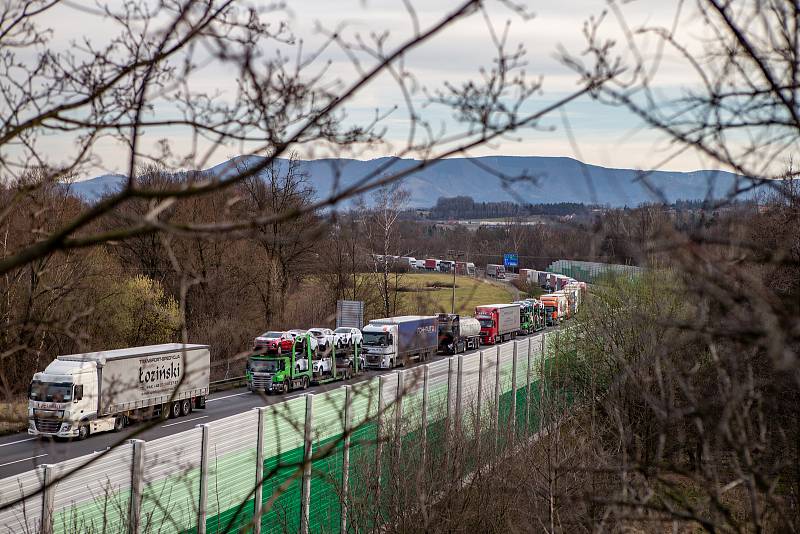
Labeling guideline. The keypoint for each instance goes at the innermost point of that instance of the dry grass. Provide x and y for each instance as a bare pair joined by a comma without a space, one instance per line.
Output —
13,416
419,292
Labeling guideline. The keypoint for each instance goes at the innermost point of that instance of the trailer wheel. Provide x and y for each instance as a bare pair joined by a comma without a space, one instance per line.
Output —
175,410
305,382
119,423
186,407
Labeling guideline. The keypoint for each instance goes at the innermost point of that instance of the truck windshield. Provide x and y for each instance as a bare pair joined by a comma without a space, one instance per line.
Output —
377,338
486,323
51,391
265,366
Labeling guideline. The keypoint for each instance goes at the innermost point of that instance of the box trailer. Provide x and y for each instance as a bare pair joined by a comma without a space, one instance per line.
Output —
495,271
543,276
499,322
395,341
80,394
431,264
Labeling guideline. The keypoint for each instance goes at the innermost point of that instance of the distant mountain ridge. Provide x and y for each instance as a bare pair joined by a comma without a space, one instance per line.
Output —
553,179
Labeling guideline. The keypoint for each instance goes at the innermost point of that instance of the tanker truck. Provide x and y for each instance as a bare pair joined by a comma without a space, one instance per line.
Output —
458,333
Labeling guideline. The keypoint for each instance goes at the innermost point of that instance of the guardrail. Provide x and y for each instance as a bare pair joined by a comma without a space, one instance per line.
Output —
227,383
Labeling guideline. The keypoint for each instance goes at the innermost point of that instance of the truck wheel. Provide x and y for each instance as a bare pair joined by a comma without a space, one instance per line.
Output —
186,407
175,410
83,431
305,382
119,423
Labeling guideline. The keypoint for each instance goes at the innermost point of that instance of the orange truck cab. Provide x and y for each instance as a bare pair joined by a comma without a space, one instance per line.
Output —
552,316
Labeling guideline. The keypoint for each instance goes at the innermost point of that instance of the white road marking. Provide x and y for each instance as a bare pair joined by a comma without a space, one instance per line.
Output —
185,421
18,441
229,396
23,460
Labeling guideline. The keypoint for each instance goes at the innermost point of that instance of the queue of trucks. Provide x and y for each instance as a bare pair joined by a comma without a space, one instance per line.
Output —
464,268
80,394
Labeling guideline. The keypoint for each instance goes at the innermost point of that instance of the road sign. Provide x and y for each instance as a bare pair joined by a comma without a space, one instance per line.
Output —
350,313
510,260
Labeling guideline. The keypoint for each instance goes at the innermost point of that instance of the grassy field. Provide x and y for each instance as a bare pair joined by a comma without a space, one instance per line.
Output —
419,292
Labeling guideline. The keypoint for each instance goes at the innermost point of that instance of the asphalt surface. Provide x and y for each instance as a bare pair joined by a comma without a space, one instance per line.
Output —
22,452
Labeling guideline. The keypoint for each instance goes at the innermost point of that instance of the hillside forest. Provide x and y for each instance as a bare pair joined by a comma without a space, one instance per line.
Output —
227,289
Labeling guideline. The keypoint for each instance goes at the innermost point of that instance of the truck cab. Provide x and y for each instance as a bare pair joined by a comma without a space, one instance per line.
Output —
553,309
394,341
380,345
63,399
488,322
277,373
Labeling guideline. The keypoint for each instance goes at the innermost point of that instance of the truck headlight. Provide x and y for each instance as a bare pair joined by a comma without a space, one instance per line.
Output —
65,427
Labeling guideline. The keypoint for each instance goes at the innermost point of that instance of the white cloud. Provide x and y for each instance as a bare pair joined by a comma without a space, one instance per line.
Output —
603,134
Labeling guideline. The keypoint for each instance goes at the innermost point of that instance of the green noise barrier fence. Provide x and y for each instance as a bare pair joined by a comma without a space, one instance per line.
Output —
592,271
308,464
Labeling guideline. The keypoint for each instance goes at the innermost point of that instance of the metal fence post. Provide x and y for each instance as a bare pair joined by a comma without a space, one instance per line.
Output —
305,506
497,400
348,416
137,475
202,503
47,499
513,425
398,402
379,444
257,496
425,378
459,414
450,392
528,392
542,371
478,403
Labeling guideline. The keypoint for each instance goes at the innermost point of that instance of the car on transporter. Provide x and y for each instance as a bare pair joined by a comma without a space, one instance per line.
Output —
347,336
324,336
274,341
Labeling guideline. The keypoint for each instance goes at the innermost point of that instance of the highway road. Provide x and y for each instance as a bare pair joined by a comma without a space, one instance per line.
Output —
21,452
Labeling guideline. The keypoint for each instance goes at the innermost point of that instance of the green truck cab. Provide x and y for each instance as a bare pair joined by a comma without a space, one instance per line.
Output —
277,373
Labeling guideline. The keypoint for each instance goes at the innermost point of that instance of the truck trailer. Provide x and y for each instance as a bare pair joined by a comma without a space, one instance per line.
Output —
529,276
395,341
499,322
496,271
81,394
543,278
458,333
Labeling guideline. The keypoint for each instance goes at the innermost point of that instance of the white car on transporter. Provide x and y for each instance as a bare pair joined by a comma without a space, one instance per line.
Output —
347,336
324,336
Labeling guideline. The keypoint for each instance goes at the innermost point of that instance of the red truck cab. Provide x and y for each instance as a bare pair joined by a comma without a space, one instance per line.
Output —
488,320
499,322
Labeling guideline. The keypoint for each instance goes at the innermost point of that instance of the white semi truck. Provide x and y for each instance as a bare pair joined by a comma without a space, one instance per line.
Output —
395,341
79,394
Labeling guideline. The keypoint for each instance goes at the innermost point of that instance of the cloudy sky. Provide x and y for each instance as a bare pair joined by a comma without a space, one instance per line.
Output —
603,135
